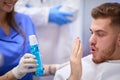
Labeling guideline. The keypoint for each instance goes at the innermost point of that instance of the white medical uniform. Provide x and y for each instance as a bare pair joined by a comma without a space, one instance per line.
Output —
109,70
55,41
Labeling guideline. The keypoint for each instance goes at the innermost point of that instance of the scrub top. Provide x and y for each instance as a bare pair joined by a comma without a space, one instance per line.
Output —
12,47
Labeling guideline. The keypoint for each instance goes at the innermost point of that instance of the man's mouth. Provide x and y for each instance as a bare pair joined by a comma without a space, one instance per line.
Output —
93,50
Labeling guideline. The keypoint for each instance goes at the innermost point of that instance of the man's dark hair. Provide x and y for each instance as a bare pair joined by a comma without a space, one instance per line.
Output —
108,10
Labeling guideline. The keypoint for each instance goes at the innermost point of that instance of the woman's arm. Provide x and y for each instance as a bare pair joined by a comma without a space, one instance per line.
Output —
8,76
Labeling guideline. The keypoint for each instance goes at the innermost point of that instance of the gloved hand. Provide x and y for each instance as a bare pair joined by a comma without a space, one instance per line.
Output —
58,17
27,64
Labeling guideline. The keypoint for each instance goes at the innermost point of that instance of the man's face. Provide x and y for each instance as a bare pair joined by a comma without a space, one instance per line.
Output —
103,40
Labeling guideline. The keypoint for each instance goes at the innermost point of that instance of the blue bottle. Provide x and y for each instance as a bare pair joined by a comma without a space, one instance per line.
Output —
34,49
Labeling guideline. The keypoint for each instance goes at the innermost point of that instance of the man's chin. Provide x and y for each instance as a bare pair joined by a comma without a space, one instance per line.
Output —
96,61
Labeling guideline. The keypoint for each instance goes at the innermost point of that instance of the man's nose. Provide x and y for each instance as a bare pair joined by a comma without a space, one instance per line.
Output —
92,40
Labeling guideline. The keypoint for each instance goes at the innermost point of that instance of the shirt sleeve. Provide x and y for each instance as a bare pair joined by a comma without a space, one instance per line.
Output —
38,14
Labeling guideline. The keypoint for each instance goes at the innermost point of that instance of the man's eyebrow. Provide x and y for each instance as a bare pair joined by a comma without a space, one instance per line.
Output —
97,30
100,31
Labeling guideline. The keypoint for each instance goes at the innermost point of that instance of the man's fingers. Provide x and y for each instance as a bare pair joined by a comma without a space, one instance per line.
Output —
77,46
73,46
79,55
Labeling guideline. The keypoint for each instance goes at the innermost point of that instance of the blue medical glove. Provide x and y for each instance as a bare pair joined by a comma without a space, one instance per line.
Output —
58,17
27,5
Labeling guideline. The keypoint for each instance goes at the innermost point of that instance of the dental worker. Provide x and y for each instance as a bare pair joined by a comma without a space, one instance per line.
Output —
54,21
15,29
104,61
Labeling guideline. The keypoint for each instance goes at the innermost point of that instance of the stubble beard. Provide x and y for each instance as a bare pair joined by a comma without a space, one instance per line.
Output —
106,54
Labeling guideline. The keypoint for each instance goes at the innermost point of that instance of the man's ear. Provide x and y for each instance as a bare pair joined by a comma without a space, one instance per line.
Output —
119,39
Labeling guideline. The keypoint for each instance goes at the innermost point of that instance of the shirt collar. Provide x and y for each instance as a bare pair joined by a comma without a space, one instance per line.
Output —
3,35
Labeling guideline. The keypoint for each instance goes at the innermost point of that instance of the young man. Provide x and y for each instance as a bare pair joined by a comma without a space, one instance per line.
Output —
104,61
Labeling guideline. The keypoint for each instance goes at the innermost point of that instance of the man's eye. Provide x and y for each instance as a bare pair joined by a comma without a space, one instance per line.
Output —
91,32
100,34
